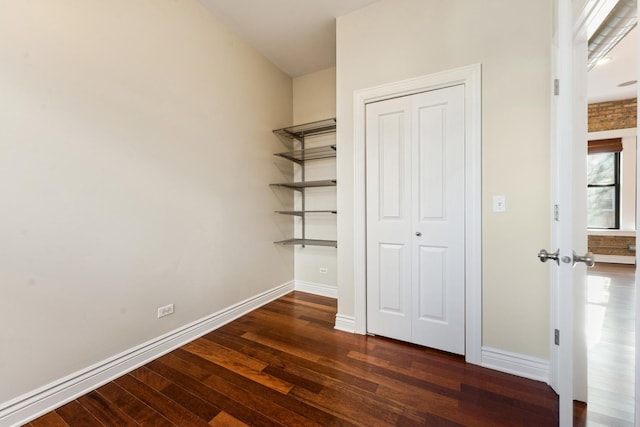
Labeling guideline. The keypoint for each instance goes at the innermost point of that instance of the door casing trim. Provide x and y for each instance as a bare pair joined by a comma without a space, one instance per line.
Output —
470,77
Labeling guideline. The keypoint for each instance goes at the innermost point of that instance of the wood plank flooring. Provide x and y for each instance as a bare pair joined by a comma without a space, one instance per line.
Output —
611,340
285,365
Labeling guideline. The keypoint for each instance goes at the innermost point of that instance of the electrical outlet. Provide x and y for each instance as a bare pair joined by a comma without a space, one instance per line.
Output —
323,270
165,310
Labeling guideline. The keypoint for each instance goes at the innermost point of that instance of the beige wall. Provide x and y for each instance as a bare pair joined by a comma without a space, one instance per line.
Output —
393,40
314,98
135,156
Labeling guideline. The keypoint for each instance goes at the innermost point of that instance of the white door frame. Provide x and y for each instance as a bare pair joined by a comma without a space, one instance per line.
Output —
637,411
470,77
637,396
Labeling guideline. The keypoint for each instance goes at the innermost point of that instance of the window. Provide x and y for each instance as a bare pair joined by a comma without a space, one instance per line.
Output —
603,192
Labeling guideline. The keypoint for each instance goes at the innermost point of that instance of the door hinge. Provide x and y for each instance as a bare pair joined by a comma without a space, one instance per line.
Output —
556,87
556,213
556,336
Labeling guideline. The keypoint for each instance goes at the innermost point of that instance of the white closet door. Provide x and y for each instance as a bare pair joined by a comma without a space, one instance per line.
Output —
388,159
438,268
415,218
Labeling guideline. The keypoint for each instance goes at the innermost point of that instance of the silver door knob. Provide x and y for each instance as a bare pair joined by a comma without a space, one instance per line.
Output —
544,255
587,258
418,233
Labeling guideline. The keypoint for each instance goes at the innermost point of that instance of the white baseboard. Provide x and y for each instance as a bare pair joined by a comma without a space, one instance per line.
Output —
516,364
316,289
345,323
616,259
38,402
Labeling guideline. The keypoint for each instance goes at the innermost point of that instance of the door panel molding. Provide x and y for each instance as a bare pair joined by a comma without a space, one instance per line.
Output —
470,77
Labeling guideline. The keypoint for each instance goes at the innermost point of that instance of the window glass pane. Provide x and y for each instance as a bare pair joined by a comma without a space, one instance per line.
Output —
601,207
601,169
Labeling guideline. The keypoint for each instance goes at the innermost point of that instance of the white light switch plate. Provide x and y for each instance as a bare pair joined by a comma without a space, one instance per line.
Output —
499,204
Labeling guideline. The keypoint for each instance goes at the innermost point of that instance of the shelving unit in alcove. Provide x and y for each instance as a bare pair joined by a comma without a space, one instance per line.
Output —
295,138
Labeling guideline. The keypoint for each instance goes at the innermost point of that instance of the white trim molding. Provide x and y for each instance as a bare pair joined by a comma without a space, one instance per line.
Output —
345,323
516,364
470,77
40,401
615,259
317,289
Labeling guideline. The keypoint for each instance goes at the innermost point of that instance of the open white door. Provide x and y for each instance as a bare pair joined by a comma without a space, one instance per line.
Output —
569,127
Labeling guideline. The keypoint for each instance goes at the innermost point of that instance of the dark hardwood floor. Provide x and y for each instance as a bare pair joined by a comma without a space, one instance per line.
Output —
284,364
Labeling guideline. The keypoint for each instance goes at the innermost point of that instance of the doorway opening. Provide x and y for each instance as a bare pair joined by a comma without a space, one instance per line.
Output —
611,289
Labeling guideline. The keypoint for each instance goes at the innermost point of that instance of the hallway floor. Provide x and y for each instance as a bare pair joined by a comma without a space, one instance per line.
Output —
611,344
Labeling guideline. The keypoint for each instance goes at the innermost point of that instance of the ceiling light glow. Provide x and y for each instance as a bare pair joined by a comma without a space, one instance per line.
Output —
603,60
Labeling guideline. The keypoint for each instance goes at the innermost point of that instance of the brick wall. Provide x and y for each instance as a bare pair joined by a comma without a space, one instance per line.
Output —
612,245
613,115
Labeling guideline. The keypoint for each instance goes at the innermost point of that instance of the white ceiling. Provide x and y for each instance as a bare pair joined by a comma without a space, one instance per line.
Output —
298,36
603,80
